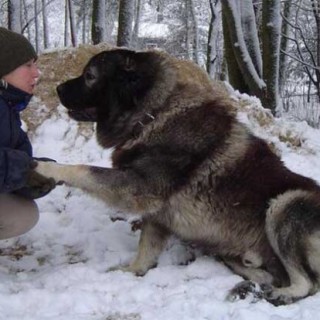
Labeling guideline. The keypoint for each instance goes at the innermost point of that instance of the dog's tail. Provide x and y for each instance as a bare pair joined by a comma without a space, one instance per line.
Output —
293,229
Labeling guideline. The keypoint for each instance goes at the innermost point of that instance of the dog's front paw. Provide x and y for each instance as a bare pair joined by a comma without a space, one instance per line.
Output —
49,170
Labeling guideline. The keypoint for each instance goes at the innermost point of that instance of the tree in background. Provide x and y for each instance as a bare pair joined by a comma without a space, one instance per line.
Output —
82,21
25,19
316,13
36,26
112,9
270,37
126,15
303,47
283,70
251,70
213,34
72,21
70,30
98,27
192,25
249,31
45,25
137,18
14,15
188,22
160,8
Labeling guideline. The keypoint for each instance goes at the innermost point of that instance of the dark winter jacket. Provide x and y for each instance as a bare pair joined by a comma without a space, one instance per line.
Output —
15,147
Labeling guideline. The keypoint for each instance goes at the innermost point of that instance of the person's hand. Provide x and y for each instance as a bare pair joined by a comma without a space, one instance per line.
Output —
36,186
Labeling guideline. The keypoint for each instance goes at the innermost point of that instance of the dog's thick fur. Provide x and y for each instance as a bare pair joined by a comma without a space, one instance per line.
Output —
184,162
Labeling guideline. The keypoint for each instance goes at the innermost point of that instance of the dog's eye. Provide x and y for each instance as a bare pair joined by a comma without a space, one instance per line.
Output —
90,76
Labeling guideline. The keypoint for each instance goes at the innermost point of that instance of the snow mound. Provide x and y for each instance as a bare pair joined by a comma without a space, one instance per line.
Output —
58,271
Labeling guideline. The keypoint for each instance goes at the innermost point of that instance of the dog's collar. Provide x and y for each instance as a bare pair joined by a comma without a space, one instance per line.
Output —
148,117
145,120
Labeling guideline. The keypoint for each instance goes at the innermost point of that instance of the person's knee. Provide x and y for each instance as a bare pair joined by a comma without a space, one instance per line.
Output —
17,215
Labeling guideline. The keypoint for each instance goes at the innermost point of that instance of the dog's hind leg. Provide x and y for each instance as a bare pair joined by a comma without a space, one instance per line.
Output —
152,241
293,220
255,276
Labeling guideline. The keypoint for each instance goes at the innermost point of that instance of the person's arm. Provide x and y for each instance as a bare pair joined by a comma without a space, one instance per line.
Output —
24,143
14,166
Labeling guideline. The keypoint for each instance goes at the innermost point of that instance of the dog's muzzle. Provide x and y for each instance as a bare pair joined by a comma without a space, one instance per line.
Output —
88,114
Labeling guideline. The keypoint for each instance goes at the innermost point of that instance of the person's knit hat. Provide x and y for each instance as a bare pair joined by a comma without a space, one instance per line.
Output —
15,50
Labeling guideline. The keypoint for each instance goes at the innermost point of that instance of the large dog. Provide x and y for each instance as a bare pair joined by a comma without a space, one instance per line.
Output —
183,161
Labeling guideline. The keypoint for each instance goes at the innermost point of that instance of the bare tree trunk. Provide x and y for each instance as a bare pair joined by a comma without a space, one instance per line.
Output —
271,22
135,34
160,7
25,20
249,73
72,24
84,20
66,23
188,30
14,15
316,13
45,25
195,29
284,43
233,71
212,39
98,28
239,20
250,32
112,9
36,25
126,12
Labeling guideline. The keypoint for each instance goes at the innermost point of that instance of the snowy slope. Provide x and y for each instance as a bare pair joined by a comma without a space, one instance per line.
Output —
57,271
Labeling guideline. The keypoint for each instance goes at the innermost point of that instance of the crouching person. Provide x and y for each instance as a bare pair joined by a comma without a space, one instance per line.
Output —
19,184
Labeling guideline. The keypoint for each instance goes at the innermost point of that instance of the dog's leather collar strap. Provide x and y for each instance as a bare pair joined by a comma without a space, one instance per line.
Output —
138,127
147,119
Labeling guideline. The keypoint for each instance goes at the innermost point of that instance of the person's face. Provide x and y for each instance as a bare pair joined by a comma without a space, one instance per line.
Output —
24,77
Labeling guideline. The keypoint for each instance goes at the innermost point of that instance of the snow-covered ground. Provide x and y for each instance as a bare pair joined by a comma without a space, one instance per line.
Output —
58,271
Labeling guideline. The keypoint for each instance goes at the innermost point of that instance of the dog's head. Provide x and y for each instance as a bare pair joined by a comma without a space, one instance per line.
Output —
120,89
110,87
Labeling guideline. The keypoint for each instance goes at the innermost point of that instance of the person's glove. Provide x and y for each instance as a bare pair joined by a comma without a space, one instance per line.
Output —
36,186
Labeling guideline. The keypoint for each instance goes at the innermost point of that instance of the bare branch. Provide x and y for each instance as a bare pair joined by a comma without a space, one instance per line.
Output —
303,39
306,66
301,61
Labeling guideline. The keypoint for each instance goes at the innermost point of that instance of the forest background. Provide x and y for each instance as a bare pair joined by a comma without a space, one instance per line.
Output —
266,48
